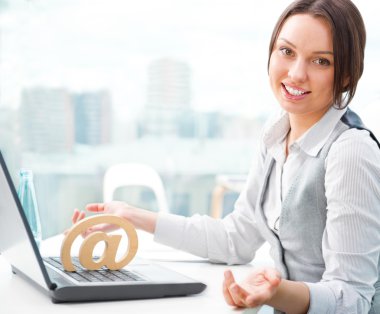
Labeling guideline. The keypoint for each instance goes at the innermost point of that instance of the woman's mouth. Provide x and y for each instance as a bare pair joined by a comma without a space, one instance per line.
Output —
293,92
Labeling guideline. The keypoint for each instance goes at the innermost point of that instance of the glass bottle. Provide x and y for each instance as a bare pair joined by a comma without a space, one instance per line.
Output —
27,196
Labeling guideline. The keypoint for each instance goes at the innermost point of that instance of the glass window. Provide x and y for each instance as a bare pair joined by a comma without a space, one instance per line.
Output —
178,85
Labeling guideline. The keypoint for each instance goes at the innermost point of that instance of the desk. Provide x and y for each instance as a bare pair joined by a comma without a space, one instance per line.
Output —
18,296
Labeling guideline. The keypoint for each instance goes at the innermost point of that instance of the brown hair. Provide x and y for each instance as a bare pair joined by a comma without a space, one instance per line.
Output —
349,37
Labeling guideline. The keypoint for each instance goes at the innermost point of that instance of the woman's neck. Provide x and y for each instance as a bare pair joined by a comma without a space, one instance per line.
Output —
300,123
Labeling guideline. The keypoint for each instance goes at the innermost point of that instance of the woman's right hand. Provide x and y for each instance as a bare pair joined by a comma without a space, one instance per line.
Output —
140,218
257,289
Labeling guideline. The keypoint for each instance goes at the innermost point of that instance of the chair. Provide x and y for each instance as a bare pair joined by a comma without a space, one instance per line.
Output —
134,174
224,184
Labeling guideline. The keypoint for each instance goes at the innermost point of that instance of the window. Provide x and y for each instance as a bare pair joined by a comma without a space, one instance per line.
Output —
178,85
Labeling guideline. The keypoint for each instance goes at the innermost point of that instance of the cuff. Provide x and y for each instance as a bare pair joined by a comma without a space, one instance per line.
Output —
169,230
322,299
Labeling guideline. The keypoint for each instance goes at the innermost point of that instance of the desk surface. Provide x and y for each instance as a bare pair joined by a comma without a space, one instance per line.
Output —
19,296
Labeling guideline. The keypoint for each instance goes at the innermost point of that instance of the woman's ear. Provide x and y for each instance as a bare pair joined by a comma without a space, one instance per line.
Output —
346,83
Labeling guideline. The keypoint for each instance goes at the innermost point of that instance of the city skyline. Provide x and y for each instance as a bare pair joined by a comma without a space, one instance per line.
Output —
116,54
82,47
113,48
53,120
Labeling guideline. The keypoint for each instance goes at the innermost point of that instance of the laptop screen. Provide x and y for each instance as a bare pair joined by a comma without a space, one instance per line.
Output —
16,241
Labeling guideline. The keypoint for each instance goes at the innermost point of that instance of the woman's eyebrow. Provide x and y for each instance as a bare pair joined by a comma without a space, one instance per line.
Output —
315,52
288,42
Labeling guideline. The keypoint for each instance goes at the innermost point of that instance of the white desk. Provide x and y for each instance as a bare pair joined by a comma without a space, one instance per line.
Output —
18,296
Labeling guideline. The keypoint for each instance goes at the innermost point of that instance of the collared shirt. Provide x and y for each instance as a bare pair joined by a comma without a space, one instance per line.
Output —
351,244
285,168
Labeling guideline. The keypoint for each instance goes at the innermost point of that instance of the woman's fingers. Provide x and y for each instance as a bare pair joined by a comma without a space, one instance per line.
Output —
104,227
233,293
238,295
75,218
95,207
248,299
227,295
81,216
229,277
75,215
228,280
273,276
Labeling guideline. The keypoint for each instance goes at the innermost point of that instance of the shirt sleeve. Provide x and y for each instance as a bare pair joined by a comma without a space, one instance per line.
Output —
232,240
351,240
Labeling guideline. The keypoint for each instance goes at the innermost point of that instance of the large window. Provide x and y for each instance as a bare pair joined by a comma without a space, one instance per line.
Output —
178,85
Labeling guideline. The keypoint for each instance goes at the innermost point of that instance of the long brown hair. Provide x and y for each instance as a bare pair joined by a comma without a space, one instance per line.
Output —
349,38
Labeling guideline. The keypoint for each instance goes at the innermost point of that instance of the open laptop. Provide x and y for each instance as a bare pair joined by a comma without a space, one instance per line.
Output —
135,281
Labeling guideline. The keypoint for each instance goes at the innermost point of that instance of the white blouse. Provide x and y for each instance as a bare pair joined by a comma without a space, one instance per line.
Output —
347,285
308,145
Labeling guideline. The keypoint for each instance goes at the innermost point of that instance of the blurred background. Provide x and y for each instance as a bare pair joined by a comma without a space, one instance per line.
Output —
180,86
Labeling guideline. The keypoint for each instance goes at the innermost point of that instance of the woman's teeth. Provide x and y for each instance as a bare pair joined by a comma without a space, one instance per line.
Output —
293,91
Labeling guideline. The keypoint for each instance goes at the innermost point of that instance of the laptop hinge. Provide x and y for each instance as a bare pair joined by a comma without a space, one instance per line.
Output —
52,286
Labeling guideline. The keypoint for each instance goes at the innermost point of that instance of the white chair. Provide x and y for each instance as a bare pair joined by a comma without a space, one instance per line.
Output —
134,174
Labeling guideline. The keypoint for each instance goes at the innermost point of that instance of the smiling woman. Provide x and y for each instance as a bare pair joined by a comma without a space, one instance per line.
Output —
182,86
314,190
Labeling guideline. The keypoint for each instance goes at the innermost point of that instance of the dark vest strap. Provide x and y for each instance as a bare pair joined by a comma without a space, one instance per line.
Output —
353,121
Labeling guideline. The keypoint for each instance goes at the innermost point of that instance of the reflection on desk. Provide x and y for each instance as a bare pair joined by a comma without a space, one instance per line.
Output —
19,296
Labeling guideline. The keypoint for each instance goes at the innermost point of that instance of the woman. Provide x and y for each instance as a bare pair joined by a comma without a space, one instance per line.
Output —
314,194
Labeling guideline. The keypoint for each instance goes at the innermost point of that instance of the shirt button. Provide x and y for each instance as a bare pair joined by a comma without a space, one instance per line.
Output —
294,147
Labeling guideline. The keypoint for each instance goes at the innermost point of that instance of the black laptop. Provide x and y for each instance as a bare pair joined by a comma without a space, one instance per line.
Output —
135,281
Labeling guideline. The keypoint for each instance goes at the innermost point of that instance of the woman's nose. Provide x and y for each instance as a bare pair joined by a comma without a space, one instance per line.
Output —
298,71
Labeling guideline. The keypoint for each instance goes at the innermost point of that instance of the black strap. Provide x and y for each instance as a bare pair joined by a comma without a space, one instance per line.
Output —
353,121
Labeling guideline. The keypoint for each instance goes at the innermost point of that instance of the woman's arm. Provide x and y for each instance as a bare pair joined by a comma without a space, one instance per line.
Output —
351,241
291,297
232,240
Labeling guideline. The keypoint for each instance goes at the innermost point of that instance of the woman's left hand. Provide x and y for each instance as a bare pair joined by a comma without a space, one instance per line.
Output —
257,289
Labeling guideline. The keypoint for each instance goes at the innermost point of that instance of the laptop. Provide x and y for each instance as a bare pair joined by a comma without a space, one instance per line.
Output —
135,281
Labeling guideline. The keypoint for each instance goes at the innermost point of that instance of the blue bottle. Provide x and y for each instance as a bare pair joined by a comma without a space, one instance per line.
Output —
27,196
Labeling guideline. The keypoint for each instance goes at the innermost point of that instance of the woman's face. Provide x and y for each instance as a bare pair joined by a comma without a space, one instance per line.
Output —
301,69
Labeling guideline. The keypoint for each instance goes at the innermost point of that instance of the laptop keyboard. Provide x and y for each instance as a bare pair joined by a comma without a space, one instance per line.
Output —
102,275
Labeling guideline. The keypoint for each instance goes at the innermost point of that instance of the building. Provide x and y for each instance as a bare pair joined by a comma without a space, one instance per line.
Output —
9,138
46,120
93,118
168,99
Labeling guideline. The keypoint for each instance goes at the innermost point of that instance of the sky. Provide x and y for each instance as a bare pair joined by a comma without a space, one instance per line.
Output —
108,44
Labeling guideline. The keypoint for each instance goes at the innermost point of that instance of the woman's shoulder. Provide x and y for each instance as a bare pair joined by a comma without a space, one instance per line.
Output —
355,146
354,137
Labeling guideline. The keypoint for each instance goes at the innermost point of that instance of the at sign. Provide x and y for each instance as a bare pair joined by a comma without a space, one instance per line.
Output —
112,242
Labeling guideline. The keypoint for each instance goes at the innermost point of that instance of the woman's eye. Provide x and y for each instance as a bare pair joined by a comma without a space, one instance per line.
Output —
322,61
286,51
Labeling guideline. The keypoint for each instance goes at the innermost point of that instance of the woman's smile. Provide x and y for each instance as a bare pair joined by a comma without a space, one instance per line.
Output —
293,92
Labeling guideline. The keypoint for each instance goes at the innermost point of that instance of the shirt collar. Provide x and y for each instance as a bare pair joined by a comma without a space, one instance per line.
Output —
275,133
315,138
311,142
